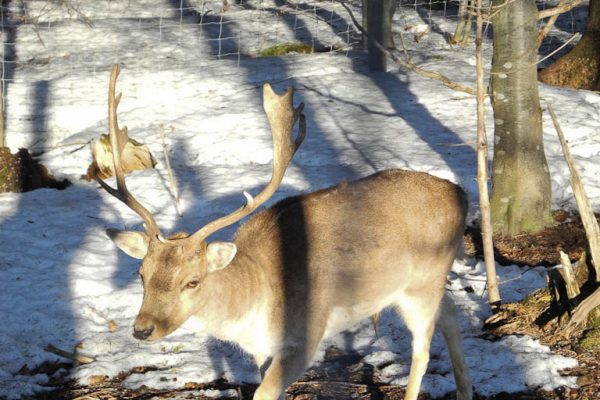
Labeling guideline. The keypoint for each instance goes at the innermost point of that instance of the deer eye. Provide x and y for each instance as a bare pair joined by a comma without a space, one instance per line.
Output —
192,284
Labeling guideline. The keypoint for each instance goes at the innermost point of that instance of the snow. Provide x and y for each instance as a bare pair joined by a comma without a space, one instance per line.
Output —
63,282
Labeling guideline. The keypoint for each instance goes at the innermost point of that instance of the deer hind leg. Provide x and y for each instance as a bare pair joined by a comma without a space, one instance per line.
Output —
448,324
419,316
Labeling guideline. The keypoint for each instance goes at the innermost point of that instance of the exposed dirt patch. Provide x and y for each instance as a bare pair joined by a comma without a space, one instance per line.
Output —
19,172
535,316
541,248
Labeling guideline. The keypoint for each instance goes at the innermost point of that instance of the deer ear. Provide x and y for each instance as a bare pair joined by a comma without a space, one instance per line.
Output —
219,255
133,243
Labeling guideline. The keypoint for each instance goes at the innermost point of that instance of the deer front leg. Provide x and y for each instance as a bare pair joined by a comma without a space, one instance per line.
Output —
285,368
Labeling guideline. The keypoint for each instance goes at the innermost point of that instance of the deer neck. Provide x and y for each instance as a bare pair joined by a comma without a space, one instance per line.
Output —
233,295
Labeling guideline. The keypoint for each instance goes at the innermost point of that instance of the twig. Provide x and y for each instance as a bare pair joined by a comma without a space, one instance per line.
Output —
77,358
81,146
549,12
34,26
576,35
354,20
470,143
408,63
496,9
515,70
482,172
161,129
427,74
81,16
544,31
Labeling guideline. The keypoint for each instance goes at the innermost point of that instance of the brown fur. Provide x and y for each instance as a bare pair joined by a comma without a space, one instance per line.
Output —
313,265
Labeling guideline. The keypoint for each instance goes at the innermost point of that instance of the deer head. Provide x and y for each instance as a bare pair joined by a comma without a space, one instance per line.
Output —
175,269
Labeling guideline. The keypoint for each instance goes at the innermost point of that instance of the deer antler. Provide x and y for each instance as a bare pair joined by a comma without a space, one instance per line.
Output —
118,139
282,118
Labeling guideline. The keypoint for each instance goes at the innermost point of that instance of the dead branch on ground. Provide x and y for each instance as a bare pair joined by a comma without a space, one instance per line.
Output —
76,358
590,225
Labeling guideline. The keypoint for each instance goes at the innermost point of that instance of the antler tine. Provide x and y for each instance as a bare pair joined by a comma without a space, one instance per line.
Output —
282,117
118,139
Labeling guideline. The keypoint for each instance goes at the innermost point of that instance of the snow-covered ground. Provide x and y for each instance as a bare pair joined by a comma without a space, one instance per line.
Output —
63,282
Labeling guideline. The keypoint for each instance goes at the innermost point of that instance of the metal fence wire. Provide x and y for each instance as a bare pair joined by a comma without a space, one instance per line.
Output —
46,40
47,34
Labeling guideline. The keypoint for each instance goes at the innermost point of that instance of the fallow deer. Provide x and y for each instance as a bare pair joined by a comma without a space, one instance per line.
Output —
307,267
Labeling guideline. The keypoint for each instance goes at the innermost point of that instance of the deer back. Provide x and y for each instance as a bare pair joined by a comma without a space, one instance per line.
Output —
352,246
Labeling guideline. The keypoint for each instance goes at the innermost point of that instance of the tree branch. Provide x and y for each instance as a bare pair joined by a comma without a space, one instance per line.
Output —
409,64
427,74
586,212
582,311
76,358
561,8
482,172
544,31
592,230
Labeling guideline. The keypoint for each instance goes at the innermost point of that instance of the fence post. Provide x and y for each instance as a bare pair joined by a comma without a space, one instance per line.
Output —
376,15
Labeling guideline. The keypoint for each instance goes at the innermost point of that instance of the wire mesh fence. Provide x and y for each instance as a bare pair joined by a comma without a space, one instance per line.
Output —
44,41
49,35
164,35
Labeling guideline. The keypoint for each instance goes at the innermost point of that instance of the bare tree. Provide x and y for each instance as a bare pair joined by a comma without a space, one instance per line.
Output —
521,191
463,27
580,68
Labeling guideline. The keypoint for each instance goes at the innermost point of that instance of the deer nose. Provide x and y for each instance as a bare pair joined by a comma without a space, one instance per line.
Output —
142,334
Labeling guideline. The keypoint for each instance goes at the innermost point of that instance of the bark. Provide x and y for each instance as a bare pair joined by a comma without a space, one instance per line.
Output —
521,192
463,26
2,139
482,172
388,37
580,68
365,23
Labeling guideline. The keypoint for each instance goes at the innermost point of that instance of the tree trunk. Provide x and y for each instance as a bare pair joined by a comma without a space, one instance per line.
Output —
463,26
365,23
388,19
521,191
580,68
2,138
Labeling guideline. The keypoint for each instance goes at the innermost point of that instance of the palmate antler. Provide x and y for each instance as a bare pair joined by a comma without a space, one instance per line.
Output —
282,117
118,139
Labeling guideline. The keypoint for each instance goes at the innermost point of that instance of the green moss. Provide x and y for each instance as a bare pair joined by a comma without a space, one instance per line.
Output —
594,318
591,341
3,175
285,48
539,296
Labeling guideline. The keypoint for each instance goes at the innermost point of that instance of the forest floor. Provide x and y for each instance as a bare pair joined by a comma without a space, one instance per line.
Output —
343,376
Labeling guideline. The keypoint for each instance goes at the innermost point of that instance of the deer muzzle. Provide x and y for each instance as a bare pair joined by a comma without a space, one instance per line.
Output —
142,334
